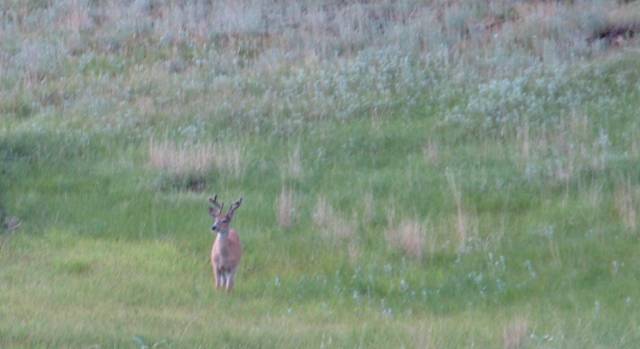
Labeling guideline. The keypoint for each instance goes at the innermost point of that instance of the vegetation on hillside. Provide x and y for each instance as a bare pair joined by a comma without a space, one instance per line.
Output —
415,173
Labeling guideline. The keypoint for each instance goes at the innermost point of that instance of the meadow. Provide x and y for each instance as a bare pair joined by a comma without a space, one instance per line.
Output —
415,174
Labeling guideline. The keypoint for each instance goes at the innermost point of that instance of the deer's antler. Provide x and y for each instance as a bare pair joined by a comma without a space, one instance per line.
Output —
234,207
214,201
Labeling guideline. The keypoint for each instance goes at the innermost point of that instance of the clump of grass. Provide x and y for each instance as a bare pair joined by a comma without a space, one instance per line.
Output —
292,168
182,159
74,266
187,164
515,334
408,237
431,152
368,210
78,18
465,225
330,223
626,205
423,337
286,208
39,60
229,158
562,151
9,223
182,166
19,105
594,195
353,251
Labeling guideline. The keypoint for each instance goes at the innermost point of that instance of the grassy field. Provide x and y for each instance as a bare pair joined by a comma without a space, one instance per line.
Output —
418,174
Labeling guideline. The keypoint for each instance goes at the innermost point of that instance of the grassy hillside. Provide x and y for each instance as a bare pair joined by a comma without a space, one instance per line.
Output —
432,174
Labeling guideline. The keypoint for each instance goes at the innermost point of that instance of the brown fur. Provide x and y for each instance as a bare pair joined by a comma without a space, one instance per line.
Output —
225,255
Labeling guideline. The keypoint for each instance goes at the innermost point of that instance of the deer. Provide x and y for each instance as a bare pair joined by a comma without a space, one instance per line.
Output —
227,249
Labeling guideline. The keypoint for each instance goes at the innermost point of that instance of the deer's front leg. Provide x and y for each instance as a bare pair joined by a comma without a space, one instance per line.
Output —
217,274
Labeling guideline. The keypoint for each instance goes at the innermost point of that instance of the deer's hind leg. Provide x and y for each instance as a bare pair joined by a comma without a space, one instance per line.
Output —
230,280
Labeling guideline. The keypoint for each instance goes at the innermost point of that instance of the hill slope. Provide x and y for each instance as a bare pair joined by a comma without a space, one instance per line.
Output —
417,174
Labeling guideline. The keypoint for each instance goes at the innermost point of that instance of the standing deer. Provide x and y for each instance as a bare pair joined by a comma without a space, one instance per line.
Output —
227,249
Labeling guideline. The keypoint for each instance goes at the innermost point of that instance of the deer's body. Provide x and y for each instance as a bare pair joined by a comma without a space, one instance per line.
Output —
227,249
225,257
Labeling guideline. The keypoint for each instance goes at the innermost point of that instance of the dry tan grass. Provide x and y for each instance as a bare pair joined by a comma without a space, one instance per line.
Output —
466,225
594,195
331,224
322,212
286,208
431,152
230,158
423,336
515,333
409,237
195,159
78,18
625,200
353,250
293,167
181,159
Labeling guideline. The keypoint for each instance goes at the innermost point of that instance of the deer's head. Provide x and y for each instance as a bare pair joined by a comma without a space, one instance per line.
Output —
221,220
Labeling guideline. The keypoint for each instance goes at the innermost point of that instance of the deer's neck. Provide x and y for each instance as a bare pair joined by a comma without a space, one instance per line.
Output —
223,244
223,238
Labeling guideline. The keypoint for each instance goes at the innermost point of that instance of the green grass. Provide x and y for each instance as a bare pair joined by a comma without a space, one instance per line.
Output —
518,183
